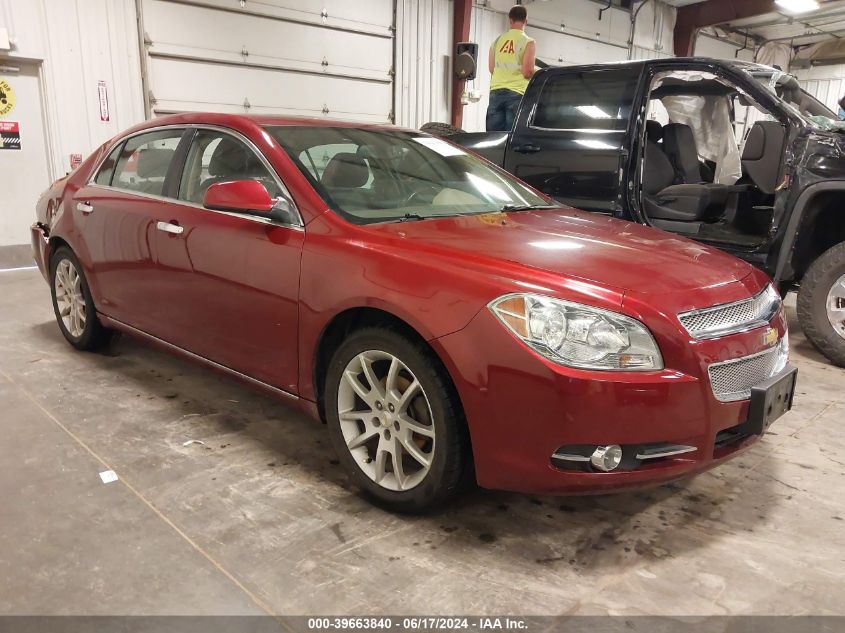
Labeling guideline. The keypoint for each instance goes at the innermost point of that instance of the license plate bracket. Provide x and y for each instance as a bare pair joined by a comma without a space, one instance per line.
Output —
771,399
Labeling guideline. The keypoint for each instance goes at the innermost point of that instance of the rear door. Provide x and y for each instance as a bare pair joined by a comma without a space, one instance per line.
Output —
115,215
572,144
227,284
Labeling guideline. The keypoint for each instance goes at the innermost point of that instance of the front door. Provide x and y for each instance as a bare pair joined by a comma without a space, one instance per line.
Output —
227,284
572,146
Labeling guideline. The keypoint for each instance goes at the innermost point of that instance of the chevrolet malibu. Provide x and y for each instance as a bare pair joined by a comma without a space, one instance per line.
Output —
442,318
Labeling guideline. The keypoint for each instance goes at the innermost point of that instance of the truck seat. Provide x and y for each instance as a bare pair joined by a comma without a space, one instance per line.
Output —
664,200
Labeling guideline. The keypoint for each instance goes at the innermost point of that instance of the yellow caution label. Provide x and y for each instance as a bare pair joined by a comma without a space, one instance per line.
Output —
7,97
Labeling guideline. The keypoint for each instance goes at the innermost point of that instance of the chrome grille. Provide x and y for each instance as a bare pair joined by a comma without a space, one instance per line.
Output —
732,380
733,317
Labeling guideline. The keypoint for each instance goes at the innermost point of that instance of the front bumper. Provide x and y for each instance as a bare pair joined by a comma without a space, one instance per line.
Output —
521,408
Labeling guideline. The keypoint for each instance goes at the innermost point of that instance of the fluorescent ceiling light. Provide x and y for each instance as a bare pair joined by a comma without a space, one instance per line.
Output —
798,6
594,112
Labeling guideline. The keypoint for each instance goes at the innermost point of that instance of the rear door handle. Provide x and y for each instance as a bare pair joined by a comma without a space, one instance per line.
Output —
84,207
527,149
168,227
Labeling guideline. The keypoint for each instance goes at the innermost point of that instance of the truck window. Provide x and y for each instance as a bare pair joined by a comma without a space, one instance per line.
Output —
587,100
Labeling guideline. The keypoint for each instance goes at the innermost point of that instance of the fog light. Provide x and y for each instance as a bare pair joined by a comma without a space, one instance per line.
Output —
606,458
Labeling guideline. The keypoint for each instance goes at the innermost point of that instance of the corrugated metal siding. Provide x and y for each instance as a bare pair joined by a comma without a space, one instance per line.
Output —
423,61
825,83
828,91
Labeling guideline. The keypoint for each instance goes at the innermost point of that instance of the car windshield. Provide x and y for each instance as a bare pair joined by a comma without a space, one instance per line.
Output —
798,100
381,175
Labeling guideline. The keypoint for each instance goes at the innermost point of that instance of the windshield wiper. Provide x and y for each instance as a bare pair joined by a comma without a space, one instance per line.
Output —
409,217
526,207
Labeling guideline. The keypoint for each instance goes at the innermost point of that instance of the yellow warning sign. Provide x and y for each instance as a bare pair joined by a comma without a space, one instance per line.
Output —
7,97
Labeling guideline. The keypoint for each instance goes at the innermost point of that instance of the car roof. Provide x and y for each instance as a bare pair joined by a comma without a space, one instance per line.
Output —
218,118
668,61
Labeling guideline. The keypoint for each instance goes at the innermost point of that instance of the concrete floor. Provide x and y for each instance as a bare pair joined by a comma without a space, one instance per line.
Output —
259,518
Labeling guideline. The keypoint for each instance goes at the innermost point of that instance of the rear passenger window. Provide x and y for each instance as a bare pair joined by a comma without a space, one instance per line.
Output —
599,100
144,161
107,168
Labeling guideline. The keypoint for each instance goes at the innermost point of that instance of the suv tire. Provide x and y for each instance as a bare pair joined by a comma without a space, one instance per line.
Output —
813,296
385,425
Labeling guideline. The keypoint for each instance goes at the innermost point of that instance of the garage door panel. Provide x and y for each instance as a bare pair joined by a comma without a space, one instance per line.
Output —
269,42
182,85
282,56
372,16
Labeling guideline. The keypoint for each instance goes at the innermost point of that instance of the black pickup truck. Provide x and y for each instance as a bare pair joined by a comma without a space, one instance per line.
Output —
729,153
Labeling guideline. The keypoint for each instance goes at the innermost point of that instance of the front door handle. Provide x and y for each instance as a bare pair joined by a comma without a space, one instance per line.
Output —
168,227
527,149
84,207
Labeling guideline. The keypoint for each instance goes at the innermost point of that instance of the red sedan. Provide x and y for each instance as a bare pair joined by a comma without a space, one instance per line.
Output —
440,316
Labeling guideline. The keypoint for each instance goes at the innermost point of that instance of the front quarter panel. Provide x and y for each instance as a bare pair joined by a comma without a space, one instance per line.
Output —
434,291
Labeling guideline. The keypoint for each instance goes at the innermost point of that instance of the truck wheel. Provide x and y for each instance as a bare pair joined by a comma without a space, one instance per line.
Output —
441,129
394,421
821,304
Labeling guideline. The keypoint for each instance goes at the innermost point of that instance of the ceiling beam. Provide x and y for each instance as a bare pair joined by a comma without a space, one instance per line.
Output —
694,17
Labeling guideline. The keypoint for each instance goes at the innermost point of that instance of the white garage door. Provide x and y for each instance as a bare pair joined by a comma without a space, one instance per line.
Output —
325,58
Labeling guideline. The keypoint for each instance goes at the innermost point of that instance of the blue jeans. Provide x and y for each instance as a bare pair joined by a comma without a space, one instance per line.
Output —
502,110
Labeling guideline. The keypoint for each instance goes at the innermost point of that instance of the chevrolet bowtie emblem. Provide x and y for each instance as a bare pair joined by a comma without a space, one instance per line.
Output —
770,337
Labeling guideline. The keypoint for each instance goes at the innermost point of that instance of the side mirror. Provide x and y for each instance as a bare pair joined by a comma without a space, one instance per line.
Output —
239,196
250,197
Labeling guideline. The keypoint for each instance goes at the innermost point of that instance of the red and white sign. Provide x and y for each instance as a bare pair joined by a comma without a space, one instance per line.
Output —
75,161
10,135
103,98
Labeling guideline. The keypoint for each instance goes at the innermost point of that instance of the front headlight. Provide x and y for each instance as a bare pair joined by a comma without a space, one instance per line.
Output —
578,336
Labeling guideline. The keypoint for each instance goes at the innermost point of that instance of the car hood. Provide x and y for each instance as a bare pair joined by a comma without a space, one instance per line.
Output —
580,245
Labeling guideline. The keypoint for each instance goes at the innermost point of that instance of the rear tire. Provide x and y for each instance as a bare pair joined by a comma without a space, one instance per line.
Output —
821,304
385,398
73,304
441,129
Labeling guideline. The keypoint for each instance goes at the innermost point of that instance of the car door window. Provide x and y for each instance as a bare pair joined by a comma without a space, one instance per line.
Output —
220,157
106,171
587,100
144,161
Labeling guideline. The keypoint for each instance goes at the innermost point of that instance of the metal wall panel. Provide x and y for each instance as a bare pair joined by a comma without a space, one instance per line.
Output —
310,58
825,83
423,61
78,44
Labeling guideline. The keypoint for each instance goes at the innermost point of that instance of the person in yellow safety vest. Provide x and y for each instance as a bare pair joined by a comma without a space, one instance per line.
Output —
511,63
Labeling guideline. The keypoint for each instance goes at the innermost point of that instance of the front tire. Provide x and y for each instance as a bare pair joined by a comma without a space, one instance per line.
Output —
821,304
72,303
395,421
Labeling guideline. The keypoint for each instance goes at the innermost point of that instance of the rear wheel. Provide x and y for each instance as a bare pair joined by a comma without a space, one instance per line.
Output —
394,421
72,303
821,304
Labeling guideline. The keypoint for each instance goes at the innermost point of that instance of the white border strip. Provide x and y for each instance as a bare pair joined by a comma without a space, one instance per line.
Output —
11,270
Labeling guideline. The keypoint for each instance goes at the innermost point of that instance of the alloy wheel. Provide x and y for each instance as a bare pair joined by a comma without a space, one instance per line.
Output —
836,306
70,298
386,420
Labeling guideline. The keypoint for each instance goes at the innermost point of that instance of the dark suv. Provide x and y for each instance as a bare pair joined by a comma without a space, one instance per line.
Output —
731,154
